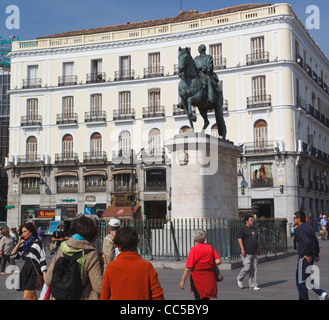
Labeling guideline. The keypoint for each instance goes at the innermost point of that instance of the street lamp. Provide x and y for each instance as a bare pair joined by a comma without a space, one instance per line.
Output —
133,181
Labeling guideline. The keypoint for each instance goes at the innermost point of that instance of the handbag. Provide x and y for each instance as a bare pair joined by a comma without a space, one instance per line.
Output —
40,281
219,277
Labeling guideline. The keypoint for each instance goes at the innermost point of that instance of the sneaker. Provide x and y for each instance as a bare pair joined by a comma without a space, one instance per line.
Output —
240,284
324,296
254,288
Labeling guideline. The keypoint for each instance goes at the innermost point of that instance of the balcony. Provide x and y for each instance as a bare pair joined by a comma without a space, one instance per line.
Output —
154,155
259,101
178,111
124,115
260,147
124,75
95,116
308,69
31,121
300,103
67,118
219,63
96,77
66,158
29,159
300,60
257,57
31,83
95,157
67,80
153,72
154,112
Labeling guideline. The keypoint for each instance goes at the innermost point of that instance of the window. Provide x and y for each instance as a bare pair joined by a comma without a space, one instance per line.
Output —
257,48
259,89
30,185
68,147
125,143
67,184
125,102
68,77
154,101
260,133
214,131
185,129
155,180
96,105
95,183
33,80
122,182
31,149
216,53
32,109
125,72
68,107
96,145
154,62
155,142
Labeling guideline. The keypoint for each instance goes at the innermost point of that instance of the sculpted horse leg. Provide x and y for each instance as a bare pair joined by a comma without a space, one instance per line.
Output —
204,115
220,118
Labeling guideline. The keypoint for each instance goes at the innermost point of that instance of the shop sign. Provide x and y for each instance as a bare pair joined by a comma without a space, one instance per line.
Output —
46,213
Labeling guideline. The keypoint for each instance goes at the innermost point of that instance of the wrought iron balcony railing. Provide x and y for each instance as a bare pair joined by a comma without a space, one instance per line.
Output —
95,116
31,121
259,101
123,115
95,157
259,56
66,118
66,158
124,75
157,71
67,80
153,112
32,83
96,77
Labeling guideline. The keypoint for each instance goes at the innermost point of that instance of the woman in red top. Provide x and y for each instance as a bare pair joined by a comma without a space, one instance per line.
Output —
200,265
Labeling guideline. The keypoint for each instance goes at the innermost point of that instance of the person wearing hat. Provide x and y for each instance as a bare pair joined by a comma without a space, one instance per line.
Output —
110,250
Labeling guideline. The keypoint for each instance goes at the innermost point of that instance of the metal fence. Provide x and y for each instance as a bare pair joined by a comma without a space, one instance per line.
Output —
173,239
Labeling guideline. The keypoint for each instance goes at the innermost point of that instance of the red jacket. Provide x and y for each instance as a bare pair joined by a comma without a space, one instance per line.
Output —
130,277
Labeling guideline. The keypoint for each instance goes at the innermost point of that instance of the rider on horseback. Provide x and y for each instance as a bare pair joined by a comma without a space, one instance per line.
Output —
205,66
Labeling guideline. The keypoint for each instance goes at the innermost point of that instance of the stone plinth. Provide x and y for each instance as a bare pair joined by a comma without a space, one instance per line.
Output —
203,176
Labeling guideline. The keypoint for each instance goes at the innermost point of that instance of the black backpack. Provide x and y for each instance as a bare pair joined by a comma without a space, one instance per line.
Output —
66,280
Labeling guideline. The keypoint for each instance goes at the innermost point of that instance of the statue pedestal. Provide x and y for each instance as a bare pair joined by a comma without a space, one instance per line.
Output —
203,176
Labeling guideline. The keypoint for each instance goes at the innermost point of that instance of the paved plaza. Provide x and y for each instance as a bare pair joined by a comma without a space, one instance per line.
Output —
276,278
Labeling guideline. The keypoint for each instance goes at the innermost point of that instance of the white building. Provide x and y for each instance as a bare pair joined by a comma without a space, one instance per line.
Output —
80,101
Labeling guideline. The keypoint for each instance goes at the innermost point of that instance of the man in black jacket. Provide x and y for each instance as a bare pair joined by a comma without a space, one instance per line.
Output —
308,251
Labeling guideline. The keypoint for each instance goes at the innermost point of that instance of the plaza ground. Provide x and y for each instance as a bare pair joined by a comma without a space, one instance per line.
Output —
276,278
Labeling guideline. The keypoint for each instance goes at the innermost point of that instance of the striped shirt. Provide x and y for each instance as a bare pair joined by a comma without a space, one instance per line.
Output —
37,254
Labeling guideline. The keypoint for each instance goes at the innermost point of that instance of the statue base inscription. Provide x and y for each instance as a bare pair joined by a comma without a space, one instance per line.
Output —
203,176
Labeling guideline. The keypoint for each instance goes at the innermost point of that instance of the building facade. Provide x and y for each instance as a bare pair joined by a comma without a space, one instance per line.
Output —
91,108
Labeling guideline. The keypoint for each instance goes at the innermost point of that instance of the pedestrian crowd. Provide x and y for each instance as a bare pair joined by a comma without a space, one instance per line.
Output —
79,271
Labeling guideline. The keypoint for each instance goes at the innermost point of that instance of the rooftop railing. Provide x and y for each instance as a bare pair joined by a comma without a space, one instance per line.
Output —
223,19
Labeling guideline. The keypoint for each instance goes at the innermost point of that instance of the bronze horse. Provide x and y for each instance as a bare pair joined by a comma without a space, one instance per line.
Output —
193,93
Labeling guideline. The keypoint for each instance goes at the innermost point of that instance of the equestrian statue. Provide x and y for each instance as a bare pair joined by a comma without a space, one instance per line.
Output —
199,87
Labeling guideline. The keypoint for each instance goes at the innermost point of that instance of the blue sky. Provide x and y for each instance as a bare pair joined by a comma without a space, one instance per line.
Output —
45,17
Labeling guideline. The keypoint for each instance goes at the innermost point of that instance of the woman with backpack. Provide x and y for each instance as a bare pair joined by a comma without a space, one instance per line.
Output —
78,257
30,248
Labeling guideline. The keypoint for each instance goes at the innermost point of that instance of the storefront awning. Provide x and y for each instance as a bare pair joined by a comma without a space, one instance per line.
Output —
123,171
66,173
119,212
95,173
30,175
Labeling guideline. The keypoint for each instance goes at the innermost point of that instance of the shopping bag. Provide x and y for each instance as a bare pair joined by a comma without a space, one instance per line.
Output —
45,293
